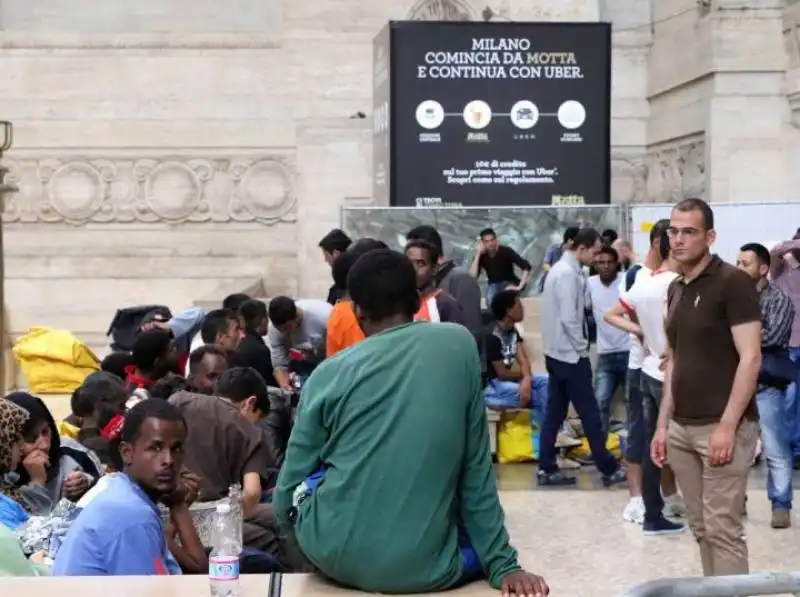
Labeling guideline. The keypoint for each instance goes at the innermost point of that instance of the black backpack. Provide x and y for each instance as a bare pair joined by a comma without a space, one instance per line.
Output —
126,323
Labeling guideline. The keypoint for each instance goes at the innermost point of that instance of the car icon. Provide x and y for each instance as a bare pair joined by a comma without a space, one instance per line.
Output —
524,114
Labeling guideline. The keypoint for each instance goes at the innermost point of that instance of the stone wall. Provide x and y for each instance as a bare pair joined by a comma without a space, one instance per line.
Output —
166,150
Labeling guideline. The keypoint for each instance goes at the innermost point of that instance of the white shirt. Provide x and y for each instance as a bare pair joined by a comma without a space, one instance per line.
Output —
602,299
637,350
646,300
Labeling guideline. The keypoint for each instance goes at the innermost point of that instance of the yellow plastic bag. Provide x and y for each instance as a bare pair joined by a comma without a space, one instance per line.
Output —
517,437
612,443
54,361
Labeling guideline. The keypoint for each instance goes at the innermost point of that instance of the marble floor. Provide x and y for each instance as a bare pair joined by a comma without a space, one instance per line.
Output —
577,540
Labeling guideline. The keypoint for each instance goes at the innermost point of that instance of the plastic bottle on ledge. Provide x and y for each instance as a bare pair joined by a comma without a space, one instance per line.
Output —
223,563
236,499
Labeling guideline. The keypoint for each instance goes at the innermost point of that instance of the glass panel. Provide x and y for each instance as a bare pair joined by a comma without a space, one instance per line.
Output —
528,230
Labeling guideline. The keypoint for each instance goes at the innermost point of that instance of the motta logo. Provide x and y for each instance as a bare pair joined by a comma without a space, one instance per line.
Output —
478,137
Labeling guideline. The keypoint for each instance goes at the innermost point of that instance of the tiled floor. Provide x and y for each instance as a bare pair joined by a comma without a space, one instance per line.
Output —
577,540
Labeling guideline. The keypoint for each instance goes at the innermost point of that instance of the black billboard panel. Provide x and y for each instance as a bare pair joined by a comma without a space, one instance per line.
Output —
499,114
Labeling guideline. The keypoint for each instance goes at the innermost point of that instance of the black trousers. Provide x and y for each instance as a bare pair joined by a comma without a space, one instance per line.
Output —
652,390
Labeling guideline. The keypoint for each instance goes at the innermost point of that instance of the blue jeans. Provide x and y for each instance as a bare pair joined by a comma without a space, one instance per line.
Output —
572,382
493,289
637,446
777,448
792,407
504,395
611,373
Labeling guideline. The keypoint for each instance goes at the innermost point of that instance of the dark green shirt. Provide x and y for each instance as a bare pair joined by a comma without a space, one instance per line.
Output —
400,422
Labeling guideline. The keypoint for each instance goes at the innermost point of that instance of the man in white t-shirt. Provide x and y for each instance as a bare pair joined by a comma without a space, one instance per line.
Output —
613,345
640,311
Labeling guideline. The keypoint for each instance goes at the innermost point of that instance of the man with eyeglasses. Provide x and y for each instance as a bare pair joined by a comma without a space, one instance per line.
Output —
707,426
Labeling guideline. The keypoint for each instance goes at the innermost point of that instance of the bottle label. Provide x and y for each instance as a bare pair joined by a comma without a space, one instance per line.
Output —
223,568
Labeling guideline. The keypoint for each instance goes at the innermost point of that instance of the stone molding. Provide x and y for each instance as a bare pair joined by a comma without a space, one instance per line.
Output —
676,170
51,41
78,190
628,173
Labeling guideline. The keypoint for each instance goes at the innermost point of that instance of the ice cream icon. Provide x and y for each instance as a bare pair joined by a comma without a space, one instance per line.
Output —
477,114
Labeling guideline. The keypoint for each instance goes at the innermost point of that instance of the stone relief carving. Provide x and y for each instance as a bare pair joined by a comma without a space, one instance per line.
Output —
675,171
441,10
628,179
80,190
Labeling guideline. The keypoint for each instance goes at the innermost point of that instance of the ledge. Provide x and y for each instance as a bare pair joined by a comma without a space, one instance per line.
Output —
253,286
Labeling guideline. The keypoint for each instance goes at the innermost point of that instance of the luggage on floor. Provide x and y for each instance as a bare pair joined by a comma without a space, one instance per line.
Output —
54,361
613,443
517,437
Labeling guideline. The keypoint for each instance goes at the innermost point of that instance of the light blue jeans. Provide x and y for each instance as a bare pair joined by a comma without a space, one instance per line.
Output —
492,290
792,408
611,373
777,448
504,395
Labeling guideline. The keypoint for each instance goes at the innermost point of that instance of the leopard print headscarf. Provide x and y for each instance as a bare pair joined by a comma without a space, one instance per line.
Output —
12,420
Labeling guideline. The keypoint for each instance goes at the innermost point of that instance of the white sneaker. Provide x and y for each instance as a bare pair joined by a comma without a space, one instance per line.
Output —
634,511
674,506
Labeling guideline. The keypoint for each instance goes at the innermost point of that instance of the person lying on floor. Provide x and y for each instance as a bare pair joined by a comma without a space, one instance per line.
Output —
120,532
511,383
388,484
51,467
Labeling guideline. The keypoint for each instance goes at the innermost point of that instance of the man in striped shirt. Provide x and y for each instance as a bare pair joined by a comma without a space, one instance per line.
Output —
777,315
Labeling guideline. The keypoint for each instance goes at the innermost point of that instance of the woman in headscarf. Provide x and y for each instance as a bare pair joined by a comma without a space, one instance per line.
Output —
51,467
13,508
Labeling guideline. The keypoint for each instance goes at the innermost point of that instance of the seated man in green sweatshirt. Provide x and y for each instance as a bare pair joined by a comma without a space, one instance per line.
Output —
387,485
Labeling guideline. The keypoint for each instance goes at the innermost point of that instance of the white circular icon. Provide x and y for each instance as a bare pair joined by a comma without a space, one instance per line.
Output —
477,114
430,114
524,114
571,114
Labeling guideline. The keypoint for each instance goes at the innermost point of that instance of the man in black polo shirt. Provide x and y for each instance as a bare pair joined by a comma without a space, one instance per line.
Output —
707,425
498,262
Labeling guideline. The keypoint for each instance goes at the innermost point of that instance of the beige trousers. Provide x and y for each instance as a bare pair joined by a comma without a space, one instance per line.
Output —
714,495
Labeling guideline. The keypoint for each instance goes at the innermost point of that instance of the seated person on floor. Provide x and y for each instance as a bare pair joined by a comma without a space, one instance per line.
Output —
244,387
435,304
154,355
206,364
298,327
120,532
170,384
14,509
221,328
388,483
253,350
99,390
117,362
51,467
511,382
343,330
223,448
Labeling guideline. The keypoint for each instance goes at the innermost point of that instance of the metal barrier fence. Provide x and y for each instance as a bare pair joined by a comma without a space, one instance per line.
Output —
530,230
747,585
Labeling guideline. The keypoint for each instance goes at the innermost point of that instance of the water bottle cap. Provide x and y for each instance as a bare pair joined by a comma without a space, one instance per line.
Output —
223,508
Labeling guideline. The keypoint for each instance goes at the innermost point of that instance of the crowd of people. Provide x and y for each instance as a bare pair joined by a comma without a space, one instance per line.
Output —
402,358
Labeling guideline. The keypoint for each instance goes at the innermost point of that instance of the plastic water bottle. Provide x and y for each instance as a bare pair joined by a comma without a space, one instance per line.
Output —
235,498
223,563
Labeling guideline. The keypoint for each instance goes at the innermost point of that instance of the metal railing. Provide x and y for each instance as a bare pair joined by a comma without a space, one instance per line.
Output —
745,585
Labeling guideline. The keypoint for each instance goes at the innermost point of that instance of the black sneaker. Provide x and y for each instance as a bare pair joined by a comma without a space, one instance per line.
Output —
617,478
662,526
555,479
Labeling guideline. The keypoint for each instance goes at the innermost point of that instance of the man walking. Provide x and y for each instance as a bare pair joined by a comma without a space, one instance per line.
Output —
708,415
566,349
613,345
777,372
